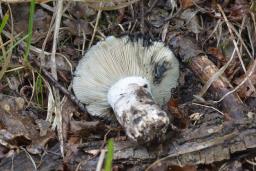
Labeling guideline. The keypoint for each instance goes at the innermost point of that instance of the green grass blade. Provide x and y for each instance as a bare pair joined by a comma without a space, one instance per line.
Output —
39,89
109,158
4,21
30,29
16,43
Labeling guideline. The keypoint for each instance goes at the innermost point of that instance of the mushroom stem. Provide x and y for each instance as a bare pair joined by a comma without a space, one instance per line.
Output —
135,109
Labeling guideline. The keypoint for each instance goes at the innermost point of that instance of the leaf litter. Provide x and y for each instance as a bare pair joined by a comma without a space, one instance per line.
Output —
230,45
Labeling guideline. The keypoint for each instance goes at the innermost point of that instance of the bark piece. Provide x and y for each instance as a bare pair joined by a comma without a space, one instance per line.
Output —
213,142
210,147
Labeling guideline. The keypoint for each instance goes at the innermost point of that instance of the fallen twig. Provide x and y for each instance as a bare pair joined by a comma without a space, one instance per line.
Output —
199,63
66,92
95,27
56,84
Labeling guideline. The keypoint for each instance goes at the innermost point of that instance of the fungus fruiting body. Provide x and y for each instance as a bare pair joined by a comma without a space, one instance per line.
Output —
132,76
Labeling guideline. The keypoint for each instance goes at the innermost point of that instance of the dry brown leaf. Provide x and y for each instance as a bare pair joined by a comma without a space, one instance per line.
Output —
180,119
81,10
216,52
238,10
38,144
67,114
41,21
191,19
77,27
157,16
232,68
85,128
186,3
246,90
18,127
41,25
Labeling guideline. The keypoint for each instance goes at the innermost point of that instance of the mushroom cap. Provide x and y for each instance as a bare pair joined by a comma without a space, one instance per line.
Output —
115,58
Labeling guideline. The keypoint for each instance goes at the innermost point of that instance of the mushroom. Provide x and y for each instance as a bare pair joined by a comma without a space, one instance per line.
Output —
134,77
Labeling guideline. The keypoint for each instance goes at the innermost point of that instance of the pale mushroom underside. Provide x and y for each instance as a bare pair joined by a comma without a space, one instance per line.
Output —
115,58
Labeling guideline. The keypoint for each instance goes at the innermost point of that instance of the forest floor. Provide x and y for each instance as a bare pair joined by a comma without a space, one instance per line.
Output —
42,127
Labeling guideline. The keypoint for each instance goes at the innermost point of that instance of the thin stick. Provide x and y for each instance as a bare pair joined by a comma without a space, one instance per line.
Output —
55,38
56,84
95,28
57,123
237,87
151,7
205,69
101,160
232,36
220,71
30,158
211,107
239,56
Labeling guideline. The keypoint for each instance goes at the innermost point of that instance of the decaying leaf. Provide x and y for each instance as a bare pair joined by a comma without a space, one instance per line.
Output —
157,16
239,9
246,90
78,27
222,59
191,20
180,119
22,124
38,144
18,127
81,10
62,65
217,53
41,21
186,3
